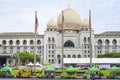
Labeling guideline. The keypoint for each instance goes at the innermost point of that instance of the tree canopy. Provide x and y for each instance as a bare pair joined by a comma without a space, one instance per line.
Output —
26,57
109,55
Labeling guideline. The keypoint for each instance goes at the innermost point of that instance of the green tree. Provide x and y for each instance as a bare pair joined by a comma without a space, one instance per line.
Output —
3,53
26,57
109,55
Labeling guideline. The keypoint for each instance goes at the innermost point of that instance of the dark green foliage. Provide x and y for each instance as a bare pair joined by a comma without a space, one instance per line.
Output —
58,71
81,71
109,55
3,53
39,73
26,57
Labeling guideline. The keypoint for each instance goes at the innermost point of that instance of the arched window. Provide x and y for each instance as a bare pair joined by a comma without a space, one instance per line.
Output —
99,42
58,56
69,56
11,42
4,42
74,56
52,60
88,39
31,42
38,42
53,39
69,44
49,61
84,39
107,42
79,56
114,42
17,42
49,39
24,42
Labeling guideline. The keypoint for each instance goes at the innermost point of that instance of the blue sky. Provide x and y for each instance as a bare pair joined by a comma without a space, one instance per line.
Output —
18,15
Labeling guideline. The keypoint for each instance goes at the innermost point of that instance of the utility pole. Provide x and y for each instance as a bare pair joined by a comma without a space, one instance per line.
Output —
90,38
36,27
62,41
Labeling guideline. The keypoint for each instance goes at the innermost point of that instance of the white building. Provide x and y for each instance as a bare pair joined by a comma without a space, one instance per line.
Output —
76,40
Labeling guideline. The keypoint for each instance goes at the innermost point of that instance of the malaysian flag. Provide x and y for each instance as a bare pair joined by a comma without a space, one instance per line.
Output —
36,23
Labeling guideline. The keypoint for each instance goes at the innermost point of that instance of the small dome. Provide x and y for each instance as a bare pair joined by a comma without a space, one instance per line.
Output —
85,23
51,24
71,18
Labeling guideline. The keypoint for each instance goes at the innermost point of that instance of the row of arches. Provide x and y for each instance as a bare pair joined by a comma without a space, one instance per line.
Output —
69,56
18,42
107,42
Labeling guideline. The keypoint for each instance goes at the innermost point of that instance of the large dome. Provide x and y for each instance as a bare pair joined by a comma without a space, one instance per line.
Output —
71,18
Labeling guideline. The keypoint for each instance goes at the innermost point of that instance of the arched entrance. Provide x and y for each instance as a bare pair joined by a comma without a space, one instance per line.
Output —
69,43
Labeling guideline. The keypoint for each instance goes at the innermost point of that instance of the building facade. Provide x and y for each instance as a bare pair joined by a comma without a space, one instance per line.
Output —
76,40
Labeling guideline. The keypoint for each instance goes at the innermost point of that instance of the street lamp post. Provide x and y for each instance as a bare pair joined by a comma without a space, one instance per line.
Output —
90,38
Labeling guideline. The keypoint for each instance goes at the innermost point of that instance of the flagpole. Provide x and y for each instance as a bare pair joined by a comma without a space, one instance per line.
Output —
35,42
62,41
90,38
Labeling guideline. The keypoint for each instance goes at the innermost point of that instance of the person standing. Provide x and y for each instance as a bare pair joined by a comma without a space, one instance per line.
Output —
93,76
114,74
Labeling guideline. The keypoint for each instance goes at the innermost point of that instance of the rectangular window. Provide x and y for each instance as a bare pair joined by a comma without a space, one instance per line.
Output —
52,51
52,47
11,47
39,47
25,47
85,47
49,47
88,51
88,47
32,47
99,47
18,47
52,56
4,47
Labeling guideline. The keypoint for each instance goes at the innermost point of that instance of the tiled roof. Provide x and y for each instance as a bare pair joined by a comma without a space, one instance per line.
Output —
109,33
18,34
